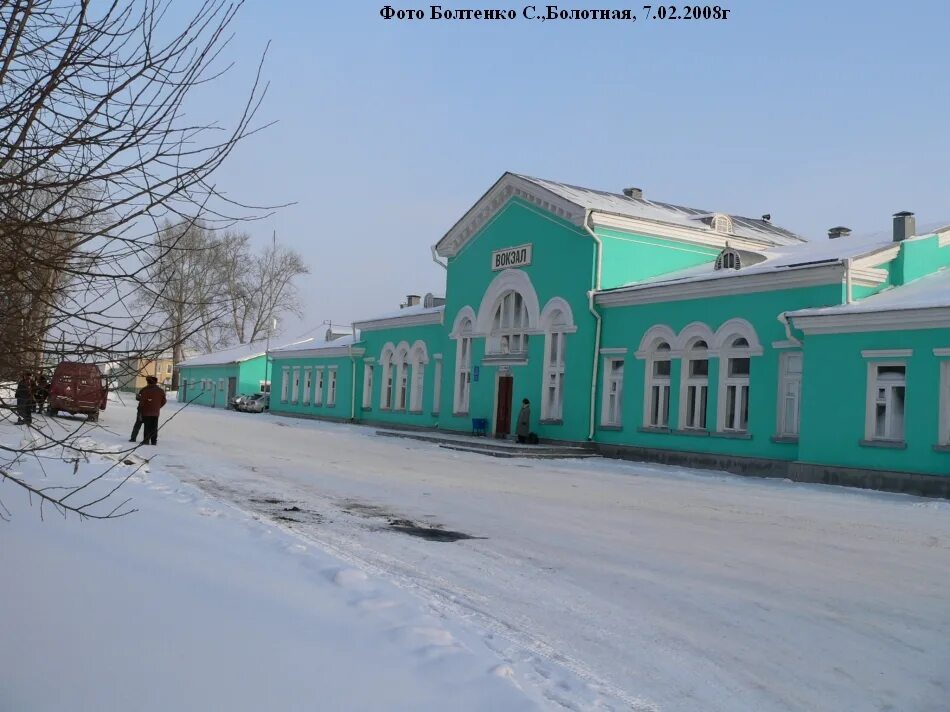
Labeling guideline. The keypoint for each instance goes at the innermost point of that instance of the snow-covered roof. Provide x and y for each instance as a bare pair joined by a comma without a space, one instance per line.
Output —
405,311
620,204
407,316
776,259
244,352
317,343
930,292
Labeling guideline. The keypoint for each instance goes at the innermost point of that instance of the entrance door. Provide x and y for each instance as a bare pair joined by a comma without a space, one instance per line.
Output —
232,388
503,414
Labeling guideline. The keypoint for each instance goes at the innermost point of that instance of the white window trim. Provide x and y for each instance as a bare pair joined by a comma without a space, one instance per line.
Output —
331,386
367,385
650,380
284,383
871,400
318,386
307,384
553,410
738,382
419,357
387,380
943,437
462,382
606,418
295,385
402,379
781,427
517,328
686,381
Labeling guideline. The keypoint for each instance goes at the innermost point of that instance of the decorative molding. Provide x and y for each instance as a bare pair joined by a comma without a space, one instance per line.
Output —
885,254
509,280
326,352
613,351
396,322
369,360
945,351
887,353
894,320
738,283
786,344
943,237
737,327
892,444
553,305
436,357
505,188
704,235
657,332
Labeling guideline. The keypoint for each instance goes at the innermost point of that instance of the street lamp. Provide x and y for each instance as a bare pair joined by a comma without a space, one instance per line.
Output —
267,355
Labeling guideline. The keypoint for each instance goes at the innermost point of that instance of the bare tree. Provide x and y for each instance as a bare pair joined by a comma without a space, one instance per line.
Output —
96,155
260,288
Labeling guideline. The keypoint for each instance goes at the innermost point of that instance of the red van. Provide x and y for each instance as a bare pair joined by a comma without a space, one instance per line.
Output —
77,388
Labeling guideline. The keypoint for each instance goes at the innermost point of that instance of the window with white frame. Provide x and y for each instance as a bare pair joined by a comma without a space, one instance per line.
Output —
318,387
463,368
735,364
944,436
887,388
402,380
367,385
418,378
508,327
613,392
307,385
552,393
658,369
695,391
789,394
331,387
295,390
436,386
284,383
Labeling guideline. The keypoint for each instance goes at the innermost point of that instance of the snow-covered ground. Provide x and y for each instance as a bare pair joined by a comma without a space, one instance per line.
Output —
587,584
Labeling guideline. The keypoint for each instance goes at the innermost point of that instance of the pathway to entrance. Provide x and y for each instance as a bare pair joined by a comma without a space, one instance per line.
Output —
665,589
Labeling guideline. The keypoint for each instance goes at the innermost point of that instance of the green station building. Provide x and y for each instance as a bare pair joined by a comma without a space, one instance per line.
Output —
655,331
213,379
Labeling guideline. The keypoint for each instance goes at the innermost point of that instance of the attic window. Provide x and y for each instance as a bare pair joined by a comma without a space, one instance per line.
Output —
722,223
728,259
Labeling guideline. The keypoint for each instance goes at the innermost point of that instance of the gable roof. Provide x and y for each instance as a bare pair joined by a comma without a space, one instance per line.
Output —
316,346
571,203
237,354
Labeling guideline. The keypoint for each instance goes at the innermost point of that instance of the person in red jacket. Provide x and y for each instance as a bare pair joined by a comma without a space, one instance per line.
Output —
151,399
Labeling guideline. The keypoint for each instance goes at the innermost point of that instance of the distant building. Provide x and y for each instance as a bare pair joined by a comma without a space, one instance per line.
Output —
131,373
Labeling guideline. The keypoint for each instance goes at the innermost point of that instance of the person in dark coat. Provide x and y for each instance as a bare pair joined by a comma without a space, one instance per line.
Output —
151,400
24,399
138,418
524,421
41,393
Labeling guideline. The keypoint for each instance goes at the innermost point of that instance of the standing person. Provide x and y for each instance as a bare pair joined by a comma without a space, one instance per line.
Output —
138,418
151,400
41,393
24,399
524,421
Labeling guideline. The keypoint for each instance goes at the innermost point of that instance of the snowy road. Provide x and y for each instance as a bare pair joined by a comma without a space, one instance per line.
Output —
665,589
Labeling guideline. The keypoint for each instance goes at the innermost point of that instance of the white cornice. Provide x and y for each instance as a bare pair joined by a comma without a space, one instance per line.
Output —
879,257
682,233
795,278
895,320
507,187
786,344
396,322
613,351
327,352
943,237
887,353
868,276
943,351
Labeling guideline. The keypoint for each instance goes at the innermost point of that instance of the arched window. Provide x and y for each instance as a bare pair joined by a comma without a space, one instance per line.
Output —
721,223
695,385
387,380
735,360
728,259
508,325
463,366
418,358
557,322
658,366
402,378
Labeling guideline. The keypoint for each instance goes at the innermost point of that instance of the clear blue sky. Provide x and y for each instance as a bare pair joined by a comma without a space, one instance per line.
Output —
820,113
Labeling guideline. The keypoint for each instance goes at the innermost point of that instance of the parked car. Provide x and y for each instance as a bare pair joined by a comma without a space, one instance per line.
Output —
77,388
257,403
237,402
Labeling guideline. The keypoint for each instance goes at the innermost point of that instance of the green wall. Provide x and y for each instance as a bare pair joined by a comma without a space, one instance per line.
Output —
629,257
835,391
249,375
625,326
341,410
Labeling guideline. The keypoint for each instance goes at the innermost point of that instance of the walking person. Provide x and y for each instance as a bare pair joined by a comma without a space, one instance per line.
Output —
524,422
151,400
24,399
41,393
